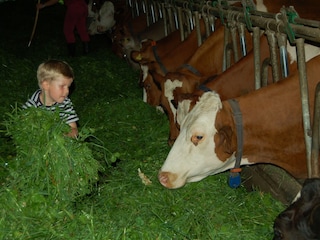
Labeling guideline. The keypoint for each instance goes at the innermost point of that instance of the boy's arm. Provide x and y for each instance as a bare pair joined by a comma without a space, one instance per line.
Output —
74,130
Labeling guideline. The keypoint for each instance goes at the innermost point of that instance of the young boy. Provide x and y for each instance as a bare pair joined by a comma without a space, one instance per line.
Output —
54,79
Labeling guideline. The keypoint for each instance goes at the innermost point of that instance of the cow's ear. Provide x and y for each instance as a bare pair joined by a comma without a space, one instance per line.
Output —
223,139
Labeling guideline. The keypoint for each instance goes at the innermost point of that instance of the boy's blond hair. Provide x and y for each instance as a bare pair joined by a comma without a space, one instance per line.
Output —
51,69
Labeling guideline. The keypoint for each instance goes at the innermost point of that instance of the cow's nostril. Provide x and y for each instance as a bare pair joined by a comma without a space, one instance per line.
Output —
167,179
163,177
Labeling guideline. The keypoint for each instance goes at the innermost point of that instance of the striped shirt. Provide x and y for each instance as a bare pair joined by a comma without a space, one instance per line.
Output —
66,110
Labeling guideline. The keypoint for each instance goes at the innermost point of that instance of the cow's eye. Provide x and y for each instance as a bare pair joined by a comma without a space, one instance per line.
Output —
147,86
196,139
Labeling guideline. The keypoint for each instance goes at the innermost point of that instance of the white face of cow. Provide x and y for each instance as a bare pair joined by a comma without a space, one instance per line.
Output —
193,157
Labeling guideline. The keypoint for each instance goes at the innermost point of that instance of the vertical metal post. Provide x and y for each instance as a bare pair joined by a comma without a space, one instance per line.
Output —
158,11
188,18
242,39
180,23
153,17
256,52
211,20
282,43
176,19
273,55
170,25
233,31
315,135
304,100
197,26
132,8
206,23
225,51
264,72
137,8
164,19
148,12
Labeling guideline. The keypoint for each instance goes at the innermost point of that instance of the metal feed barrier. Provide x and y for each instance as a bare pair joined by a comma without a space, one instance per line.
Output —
280,27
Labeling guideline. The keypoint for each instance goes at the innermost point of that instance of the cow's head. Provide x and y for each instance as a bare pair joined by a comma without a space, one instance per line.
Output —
185,102
145,55
195,154
301,220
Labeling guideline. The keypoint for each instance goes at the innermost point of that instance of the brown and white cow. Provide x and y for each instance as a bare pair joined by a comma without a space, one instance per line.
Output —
129,41
301,220
154,31
162,61
205,62
101,16
126,22
272,132
236,80
187,80
150,50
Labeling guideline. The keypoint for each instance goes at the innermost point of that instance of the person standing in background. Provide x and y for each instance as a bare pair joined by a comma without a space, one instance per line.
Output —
75,18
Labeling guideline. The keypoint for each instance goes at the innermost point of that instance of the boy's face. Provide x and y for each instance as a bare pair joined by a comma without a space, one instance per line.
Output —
57,90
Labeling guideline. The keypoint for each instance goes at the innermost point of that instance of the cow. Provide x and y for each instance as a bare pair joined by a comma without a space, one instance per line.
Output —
272,131
152,49
126,22
229,86
129,42
162,60
206,62
100,16
154,31
149,49
226,84
163,47
187,81
301,220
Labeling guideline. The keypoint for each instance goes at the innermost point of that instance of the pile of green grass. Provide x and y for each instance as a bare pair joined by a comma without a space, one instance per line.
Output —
48,174
119,135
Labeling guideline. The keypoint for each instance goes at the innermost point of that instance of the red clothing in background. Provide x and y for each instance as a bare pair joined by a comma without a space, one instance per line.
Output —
75,18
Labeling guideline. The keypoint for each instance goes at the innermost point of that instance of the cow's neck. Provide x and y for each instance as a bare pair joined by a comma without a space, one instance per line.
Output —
209,64
272,131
